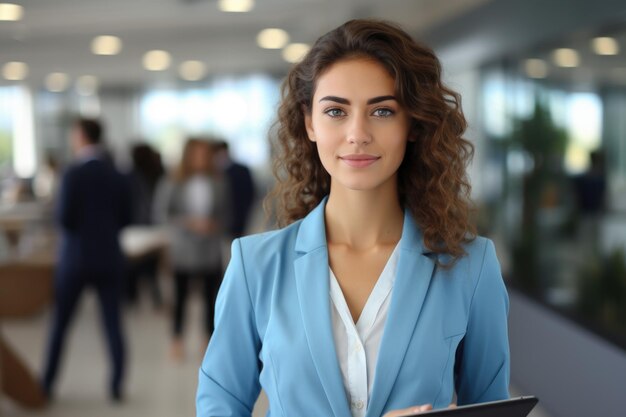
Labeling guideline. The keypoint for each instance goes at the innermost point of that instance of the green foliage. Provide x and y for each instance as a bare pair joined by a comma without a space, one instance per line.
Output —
539,136
6,146
602,290
546,144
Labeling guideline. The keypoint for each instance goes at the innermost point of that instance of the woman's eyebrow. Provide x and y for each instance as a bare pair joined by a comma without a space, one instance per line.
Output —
336,99
380,98
342,100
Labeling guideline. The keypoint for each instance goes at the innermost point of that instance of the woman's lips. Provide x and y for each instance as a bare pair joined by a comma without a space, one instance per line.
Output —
359,160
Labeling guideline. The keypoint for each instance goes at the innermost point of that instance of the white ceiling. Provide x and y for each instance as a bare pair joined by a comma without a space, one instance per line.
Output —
594,70
55,35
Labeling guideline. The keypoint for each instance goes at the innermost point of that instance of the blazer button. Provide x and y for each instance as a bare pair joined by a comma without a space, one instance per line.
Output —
357,404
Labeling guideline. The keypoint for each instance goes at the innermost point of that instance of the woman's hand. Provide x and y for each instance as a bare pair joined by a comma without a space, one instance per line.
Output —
413,410
408,411
201,226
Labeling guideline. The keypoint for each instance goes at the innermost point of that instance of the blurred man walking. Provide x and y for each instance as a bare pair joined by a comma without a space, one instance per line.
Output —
94,205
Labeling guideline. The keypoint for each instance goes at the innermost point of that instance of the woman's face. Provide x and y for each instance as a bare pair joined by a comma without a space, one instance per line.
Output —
200,158
360,129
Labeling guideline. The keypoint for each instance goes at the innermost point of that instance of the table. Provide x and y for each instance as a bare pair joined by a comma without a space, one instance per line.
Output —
25,289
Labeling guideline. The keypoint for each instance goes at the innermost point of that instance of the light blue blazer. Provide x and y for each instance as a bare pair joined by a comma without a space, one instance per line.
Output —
446,329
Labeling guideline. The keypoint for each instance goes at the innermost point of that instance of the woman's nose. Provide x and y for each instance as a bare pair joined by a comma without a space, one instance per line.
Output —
358,131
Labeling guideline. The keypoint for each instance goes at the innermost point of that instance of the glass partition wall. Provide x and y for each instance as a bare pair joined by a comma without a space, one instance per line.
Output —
555,119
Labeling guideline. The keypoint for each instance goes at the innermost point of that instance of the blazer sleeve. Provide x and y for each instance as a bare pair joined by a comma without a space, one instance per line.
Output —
229,375
162,203
482,366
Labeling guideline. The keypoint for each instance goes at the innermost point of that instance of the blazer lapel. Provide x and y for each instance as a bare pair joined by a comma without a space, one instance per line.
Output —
312,283
413,277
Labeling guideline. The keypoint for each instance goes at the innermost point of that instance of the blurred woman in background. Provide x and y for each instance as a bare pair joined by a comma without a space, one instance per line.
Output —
144,177
194,203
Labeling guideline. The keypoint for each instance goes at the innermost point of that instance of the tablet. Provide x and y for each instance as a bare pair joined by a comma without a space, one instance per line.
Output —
513,407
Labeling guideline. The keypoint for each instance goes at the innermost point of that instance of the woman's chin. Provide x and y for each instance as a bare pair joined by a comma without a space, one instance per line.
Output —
361,184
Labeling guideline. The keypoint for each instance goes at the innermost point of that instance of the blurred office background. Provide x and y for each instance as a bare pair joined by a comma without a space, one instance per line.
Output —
544,91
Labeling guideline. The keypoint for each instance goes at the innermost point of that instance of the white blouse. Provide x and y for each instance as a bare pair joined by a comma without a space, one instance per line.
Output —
198,195
357,345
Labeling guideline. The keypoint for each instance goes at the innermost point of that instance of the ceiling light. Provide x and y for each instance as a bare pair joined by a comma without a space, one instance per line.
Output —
87,85
605,46
15,71
536,68
106,45
236,5
192,70
156,60
566,57
57,82
294,52
272,38
11,12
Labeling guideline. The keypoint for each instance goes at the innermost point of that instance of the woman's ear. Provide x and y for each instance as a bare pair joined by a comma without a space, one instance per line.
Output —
308,124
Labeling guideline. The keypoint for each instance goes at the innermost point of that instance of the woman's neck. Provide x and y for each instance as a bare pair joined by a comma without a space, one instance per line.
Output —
363,219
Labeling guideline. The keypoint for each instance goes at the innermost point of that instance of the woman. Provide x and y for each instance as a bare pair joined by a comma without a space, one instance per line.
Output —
194,204
147,170
377,296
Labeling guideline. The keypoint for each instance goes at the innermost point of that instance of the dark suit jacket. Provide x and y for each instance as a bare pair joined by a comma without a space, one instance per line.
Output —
93,206
242,196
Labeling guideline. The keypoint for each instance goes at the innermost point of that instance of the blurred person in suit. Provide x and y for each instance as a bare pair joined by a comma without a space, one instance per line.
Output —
590,196
146,173
194,203
590,186
93,206
241,187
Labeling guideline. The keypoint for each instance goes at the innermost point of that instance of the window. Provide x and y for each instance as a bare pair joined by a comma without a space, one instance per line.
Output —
17,142
239,111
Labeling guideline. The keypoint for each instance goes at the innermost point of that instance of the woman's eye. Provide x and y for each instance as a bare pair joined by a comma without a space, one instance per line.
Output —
335,112
383,112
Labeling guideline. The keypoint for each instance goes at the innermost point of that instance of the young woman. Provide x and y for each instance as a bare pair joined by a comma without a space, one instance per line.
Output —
194,204
377,297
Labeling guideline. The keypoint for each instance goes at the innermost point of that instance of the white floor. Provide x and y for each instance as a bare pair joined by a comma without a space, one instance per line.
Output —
156,386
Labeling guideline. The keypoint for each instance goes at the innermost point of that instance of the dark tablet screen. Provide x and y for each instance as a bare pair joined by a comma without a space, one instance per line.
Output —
514,407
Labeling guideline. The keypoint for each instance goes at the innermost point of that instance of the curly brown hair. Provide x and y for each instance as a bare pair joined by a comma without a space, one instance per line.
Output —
432,180
193,145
